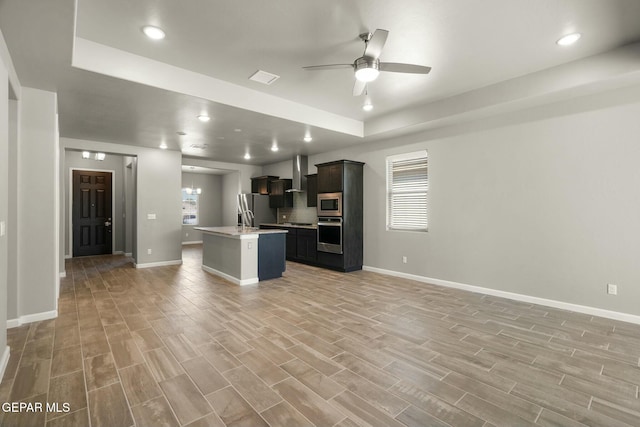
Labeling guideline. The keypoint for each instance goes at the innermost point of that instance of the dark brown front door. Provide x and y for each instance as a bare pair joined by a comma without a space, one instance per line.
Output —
91,213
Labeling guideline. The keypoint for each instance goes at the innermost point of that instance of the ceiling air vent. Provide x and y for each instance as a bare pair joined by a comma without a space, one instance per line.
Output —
264,77
198,146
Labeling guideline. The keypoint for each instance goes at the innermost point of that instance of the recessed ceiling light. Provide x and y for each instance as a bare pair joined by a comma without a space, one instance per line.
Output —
163,146
237,130
274,147
152,32
368,106
86,154
204,118
569,39
308,139
247,156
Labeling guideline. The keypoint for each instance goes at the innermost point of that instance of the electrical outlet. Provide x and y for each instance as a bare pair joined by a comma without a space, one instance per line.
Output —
404,259
612,289
284,217
186,234
149,251
249,245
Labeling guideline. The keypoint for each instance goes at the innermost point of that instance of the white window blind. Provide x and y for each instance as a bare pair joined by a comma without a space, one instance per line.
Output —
407,189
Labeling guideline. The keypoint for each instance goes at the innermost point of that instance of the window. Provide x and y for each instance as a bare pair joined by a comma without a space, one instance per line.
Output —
407,188
189,208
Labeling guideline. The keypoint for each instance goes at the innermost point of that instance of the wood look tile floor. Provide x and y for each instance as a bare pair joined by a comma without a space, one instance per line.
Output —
175,346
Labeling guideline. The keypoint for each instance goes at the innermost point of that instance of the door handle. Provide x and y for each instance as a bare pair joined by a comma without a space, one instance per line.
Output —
107,223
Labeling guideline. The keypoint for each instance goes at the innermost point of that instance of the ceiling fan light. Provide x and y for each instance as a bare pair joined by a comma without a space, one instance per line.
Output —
367,74
367,106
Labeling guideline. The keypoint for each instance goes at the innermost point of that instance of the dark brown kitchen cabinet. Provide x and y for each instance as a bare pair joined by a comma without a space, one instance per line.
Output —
312,190
292,243
301,243
346,177
306,244
278,197
330,177
262,184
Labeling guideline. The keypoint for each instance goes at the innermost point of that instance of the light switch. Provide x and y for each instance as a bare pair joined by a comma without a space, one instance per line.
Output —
3,228
151,216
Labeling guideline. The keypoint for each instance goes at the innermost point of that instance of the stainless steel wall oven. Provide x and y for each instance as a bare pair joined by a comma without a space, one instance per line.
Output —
330,235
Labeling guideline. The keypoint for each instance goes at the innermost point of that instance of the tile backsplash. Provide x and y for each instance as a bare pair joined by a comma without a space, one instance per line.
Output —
299,212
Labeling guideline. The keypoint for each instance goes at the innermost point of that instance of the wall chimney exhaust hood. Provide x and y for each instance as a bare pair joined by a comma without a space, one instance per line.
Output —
299,181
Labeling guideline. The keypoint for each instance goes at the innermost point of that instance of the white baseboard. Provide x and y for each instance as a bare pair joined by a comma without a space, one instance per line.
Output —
67,256
158,264
4,361
232,279
193,242
30,318
63,274
129,254
117,253
594,311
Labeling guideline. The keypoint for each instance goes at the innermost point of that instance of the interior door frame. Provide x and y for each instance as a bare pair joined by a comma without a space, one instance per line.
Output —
70,207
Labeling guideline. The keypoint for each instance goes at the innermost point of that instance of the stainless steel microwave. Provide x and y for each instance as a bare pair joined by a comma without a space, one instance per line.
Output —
330,204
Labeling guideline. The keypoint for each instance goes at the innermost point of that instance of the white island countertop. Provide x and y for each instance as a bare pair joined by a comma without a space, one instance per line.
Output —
243,256
235,232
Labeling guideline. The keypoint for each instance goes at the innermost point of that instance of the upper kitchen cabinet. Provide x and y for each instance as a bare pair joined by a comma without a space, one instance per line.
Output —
262,184
279,198
330,177
312,190
335,177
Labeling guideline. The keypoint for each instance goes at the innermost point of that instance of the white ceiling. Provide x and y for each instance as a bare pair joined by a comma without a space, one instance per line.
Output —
142,92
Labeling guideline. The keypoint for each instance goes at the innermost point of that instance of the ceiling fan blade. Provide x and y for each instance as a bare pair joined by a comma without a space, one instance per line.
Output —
376,43
358,88
397,67
328,67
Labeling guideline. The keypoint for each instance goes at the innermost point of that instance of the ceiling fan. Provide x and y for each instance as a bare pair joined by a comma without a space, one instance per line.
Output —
368,66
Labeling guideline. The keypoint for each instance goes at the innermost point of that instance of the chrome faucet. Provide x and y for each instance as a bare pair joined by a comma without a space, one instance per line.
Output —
245,213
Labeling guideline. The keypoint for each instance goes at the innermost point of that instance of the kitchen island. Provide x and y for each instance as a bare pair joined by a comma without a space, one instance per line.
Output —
243,256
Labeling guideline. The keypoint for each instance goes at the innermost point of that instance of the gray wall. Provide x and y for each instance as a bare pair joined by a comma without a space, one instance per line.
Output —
112,162
543,202
157,188
210,203
4,211
38,202
236,179
283,169
12,222
129,201
231,187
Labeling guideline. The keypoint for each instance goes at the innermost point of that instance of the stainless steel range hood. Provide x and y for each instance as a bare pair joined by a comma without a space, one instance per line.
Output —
300,167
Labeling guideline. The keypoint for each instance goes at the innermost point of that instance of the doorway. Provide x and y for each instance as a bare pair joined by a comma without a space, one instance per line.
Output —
92,213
